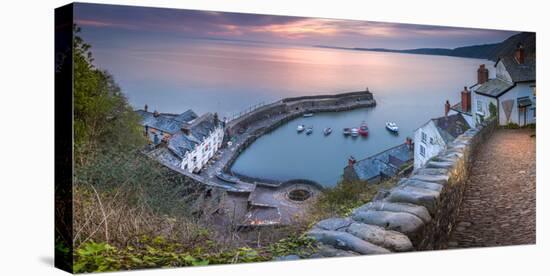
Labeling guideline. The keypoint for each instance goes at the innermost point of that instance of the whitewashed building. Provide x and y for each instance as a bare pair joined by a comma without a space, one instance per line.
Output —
510,96
432,137
190,141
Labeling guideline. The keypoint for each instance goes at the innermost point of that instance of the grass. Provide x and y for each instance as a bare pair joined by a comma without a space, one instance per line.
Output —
346,196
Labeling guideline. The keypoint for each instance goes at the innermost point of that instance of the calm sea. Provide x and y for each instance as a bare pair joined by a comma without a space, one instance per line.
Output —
228,77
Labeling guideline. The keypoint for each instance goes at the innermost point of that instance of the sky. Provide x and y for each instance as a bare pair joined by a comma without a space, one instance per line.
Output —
105,25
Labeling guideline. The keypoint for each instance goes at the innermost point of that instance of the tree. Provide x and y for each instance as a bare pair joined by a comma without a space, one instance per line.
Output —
103,119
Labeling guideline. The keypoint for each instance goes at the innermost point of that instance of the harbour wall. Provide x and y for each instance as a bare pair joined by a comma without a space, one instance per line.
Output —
418,214
284,111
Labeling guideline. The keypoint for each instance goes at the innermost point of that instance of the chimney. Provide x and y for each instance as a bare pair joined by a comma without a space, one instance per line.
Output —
482,74
185,128
520,54
145,107
447,108
466,100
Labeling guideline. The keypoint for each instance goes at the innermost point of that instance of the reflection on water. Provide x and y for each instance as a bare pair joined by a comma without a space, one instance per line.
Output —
228,77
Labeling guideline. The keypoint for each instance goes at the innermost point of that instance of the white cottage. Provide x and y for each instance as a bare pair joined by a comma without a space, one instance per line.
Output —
510,96
190,141
432,137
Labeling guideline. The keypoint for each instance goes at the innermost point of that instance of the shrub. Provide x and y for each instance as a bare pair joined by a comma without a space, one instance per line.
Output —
512,126
344,197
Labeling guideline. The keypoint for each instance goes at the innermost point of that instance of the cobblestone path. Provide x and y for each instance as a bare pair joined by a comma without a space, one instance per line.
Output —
499,202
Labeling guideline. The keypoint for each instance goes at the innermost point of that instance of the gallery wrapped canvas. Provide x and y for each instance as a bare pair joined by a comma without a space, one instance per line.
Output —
191,138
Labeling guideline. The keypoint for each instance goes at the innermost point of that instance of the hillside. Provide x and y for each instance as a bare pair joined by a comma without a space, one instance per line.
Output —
485,51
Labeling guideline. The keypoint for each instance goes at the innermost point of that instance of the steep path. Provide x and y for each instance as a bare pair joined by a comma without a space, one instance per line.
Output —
499,201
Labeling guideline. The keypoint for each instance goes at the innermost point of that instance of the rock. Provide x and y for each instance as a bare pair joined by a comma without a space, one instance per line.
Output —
414,195
422,184
381,194
431,171
420,211
377,235
453,154
464,224
346,241
398,221
440,178
334,224
440,164
287,258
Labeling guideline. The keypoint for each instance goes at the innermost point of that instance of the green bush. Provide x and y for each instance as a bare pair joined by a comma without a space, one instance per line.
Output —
512,126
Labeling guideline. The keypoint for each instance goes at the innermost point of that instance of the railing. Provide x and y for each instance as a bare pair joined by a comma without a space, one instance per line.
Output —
248,110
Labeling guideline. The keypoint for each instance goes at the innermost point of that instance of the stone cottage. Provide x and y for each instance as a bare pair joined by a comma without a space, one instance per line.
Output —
189,140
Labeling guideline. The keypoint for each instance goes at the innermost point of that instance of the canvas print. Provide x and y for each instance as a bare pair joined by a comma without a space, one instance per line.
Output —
189,138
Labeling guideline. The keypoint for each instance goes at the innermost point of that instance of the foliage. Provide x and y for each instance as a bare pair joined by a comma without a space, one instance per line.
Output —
492,110
301,245
512,126
103,119
160,252
346,196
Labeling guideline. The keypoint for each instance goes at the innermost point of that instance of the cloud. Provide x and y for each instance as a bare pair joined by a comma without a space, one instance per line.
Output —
270,28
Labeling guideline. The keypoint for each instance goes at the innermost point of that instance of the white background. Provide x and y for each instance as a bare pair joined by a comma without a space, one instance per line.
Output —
27,125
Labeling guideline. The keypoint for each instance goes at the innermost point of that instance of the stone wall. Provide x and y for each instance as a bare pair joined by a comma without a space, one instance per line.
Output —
301,105
418,214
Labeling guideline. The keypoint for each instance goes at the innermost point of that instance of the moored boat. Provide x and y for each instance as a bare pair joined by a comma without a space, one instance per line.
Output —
354,132
364,130
347,131
391,126
308,115
309,130
300,128
327,131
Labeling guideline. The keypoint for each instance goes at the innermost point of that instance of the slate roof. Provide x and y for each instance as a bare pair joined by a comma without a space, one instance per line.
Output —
180,142
458,108
186,116
451,126
520,72
494,88
387,162
170,123
202,126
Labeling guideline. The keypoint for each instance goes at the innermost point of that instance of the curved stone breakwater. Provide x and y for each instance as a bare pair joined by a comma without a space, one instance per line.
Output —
247,129
418,214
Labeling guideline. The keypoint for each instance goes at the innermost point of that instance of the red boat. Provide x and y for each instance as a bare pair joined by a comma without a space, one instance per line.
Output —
364,130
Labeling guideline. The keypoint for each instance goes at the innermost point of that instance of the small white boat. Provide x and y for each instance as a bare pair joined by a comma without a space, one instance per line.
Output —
309,130
308,115
391,126
354,132
300,128
327,131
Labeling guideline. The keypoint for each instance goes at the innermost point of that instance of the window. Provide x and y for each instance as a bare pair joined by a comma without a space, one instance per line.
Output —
479,106
424,137
431,140
422,151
